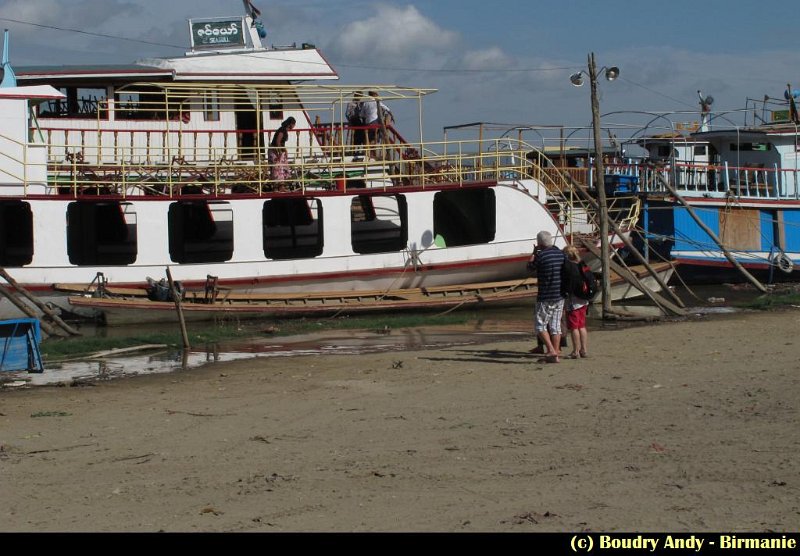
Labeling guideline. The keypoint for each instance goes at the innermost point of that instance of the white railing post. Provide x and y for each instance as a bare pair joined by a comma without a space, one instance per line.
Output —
727,182
777,181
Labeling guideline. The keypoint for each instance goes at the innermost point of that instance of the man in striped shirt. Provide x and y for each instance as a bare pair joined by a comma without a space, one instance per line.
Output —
548,260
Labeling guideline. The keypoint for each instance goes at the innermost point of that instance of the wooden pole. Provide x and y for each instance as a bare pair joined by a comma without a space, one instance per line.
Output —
631,278
601,191
759,286
42,306
47,327
631,247
176,296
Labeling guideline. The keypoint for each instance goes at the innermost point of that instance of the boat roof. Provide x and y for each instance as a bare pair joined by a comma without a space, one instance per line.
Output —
321,95
252,65
37,92
751,133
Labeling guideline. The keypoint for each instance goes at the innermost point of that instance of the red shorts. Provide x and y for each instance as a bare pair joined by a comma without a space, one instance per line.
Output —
577,319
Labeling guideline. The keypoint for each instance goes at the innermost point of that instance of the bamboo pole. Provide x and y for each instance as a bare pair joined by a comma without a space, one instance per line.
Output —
176,296
38,302
752,279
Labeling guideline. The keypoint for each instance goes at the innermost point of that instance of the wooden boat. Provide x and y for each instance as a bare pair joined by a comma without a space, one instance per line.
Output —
132,306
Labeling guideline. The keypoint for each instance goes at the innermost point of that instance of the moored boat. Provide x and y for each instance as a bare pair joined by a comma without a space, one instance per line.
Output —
741,182
124,170
119,307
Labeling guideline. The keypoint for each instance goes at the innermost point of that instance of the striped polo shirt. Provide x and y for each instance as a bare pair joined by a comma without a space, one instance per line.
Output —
548,273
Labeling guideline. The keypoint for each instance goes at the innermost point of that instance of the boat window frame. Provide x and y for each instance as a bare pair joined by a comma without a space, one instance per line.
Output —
387,237
18,253
216,242
300,247
109,243
469,230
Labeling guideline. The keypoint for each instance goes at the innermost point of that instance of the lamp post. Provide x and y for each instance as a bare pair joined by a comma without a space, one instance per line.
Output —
577,80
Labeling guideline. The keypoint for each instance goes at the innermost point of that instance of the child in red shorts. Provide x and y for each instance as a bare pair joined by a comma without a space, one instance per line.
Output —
576,314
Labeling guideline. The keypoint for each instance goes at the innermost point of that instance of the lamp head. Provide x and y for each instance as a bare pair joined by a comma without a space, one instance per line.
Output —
612,73
576,79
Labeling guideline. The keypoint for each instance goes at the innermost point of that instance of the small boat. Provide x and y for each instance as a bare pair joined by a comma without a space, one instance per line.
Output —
131,306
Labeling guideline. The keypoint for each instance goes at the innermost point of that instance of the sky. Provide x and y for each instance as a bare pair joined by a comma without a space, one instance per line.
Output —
507,62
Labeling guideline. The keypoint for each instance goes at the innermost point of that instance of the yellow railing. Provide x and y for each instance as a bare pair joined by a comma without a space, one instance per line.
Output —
313,165
130,171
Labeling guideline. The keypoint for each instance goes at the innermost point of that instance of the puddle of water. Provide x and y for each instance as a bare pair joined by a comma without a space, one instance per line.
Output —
343,342
514,323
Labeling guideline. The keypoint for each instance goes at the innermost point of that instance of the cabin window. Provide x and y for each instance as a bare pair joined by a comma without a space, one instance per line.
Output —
292,228
149,103
464,217
665,151
378,223
80,102
16,233
700,151
200,232
101,233
758,147
211,112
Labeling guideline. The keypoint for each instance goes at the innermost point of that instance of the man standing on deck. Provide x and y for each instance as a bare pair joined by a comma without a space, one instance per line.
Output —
548,261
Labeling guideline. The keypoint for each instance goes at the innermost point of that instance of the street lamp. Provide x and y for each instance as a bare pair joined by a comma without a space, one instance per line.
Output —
577,80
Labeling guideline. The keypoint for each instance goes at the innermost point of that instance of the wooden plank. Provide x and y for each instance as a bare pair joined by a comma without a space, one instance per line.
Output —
740,228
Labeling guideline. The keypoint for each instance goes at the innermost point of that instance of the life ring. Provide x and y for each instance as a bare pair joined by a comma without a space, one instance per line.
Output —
783,262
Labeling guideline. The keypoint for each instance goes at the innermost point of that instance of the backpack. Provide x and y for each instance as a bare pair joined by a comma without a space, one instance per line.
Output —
587,287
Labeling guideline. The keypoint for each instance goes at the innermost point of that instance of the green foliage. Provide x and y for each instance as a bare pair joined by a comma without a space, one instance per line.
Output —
772,301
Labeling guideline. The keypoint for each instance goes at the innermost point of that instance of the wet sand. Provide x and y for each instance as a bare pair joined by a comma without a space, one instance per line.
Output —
686,426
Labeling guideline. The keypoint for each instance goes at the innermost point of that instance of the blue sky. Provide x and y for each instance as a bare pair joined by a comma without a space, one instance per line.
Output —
491,61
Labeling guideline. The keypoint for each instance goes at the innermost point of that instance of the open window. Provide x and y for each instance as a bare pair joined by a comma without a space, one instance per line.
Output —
292,228
200,232
378,223
101,233
79,102
464,217
150,103
16,233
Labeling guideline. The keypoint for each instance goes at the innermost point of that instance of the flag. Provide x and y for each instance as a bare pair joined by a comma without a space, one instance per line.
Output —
252,11
789,95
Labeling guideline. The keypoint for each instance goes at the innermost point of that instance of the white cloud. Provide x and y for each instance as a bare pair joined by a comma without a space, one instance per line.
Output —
492,58
393,35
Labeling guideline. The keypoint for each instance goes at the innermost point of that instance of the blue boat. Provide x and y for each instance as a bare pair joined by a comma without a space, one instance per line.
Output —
742,182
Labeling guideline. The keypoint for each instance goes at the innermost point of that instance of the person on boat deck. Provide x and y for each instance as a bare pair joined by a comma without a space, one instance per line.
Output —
376,114
354,120
548,260
278,156
576,307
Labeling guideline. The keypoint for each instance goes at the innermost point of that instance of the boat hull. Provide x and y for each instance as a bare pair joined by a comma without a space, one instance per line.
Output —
761,236
195,307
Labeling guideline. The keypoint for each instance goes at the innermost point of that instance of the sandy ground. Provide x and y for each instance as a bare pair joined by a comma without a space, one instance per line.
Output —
689,426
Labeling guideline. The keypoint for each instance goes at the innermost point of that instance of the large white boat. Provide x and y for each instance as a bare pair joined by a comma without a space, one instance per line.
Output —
116,173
